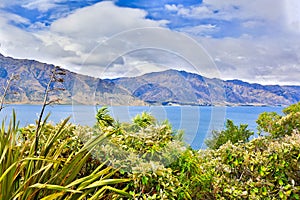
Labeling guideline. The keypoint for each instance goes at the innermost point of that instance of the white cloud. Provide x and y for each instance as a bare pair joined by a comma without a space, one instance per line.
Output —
257,59
13,39
200,29
89,39
104,19
172,7
292,8
243,9
269,12
195,12
252,24
41,5
68,41
7,17
150,47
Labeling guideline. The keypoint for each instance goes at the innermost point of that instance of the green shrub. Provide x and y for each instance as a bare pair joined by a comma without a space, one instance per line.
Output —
143,150
146,159
232,133
143,120
145,137
194,184
56,172
264,168
294,108
279,126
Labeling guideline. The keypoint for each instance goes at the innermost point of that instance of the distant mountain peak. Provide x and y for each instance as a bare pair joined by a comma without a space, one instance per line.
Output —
161,88
79,89
188,88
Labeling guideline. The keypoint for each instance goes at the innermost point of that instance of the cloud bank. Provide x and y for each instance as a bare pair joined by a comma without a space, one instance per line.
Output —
252,41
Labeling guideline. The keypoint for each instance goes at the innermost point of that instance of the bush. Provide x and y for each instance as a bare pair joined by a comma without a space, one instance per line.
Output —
232,133
143,150
146,159
279,126
264,168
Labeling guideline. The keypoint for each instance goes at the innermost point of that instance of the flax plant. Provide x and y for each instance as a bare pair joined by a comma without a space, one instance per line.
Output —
49,175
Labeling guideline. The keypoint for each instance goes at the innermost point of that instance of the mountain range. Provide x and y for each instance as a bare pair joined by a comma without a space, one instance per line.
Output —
170,87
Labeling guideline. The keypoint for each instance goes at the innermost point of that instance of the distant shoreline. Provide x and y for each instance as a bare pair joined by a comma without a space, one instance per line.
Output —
179,105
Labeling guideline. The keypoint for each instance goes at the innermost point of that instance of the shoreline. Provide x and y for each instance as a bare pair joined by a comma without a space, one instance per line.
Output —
153,105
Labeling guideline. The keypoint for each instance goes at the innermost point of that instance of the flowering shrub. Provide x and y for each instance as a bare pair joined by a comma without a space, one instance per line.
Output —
264,168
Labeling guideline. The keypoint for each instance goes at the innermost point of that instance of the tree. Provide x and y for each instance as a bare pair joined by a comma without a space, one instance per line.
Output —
232,133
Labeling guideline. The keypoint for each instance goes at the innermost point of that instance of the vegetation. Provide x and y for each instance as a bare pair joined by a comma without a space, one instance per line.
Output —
264,168
142,150
232,133
63,169
55,77
147,159
280,126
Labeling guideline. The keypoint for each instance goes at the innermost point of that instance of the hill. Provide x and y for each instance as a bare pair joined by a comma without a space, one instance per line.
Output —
160,88
79,89
180,87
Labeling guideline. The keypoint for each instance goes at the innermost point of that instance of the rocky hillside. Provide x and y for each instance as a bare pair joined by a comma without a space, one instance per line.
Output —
79,89
180,87
160,88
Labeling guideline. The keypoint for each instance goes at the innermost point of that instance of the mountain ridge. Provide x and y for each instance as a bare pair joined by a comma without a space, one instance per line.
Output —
168,87
79,89
187,88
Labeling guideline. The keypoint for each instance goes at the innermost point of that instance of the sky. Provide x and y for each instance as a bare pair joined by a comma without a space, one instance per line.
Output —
255,41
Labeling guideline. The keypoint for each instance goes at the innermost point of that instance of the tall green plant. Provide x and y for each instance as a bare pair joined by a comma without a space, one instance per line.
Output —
103,118
55,77
52,174
232,133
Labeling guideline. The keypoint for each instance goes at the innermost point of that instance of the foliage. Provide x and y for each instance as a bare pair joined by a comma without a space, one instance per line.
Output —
187,168
103,118
146,159
264,168
55,172
145,136
155,184
143,150
279,126
144,120
232,133
294,108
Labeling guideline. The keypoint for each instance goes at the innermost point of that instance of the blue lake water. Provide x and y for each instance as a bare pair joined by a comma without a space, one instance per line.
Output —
196,121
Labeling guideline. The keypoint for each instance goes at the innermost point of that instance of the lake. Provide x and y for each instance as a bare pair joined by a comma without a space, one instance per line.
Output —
196,121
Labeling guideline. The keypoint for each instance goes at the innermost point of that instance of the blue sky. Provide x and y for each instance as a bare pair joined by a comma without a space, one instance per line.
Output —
256,41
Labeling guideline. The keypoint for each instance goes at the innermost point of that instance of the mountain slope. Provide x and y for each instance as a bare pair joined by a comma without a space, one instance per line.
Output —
181,87
79,89
160,88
